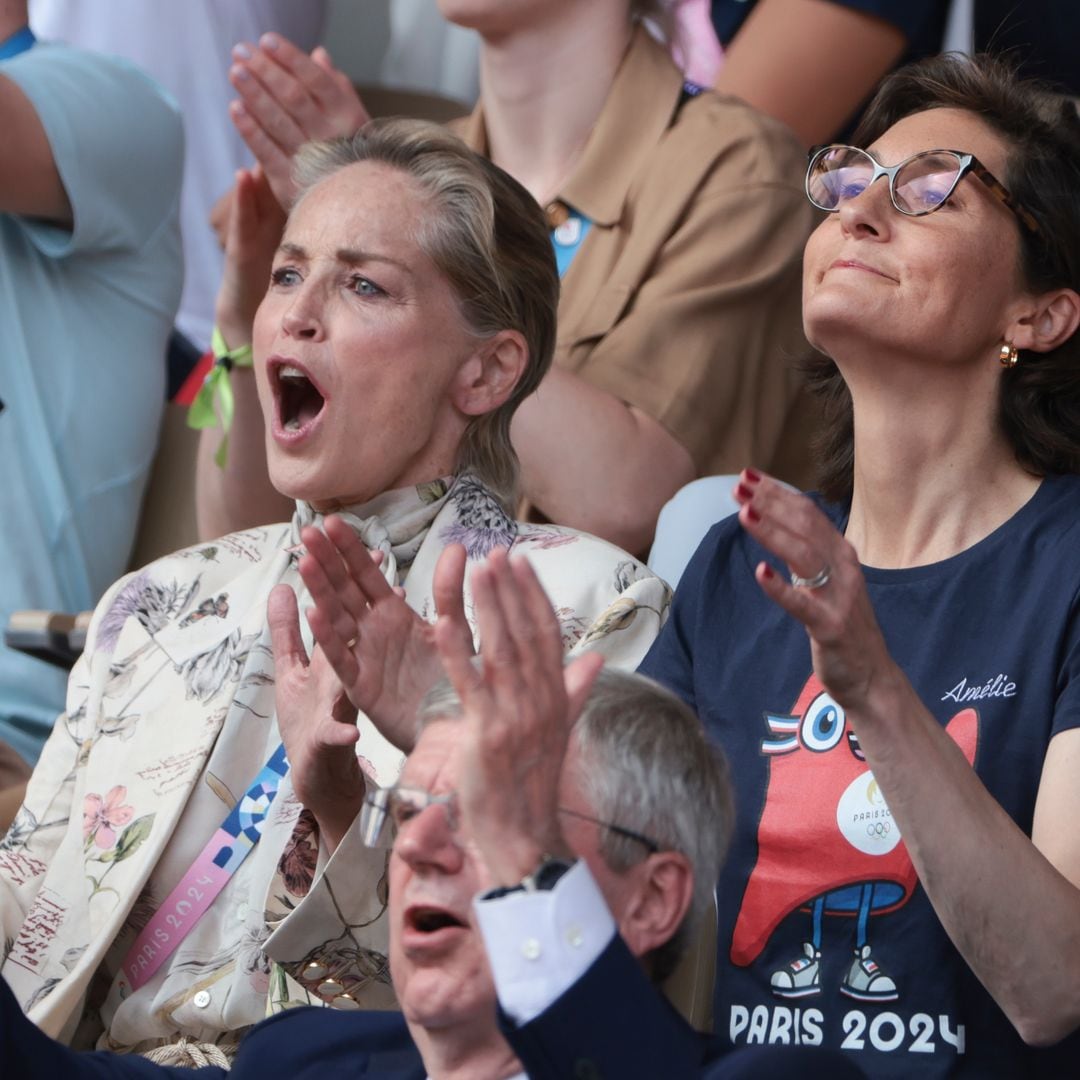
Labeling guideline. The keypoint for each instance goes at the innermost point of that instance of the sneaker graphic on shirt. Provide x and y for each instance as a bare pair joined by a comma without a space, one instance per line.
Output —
800,978
865,981
829,851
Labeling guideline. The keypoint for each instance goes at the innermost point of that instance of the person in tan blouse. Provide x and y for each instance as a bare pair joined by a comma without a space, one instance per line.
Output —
679,325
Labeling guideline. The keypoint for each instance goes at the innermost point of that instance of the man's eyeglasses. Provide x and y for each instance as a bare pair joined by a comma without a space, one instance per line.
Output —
919,185
386,810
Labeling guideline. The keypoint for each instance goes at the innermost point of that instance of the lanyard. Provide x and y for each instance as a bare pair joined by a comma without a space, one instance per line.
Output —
206,877
19,42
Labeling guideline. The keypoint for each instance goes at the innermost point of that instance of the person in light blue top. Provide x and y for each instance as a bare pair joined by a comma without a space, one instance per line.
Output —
90,277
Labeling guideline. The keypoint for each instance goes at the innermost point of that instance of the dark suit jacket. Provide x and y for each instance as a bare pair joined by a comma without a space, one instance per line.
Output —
300,1044
611,1024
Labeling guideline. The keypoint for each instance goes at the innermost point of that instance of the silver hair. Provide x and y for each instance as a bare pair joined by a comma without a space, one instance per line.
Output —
489,238
644,763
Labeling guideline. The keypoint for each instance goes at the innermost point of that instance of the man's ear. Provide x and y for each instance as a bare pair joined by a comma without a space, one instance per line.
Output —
661,898
488,377
1049,321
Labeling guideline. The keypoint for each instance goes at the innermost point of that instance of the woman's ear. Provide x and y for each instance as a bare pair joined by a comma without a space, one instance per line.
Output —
488,377
1051,319
662,896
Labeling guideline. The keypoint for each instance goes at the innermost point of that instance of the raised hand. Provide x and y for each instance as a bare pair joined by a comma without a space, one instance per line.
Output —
828,592
316,722
382,652
252,234
519,711
288,98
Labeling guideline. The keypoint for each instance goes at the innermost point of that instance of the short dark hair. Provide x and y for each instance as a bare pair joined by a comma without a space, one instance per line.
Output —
1039,398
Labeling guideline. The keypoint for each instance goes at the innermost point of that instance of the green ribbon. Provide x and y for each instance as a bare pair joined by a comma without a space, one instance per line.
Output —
214,402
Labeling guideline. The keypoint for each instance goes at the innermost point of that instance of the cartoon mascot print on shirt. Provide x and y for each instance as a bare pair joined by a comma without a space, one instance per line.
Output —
827,845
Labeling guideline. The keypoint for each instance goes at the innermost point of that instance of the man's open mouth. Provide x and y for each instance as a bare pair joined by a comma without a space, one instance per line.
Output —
299,399
427,920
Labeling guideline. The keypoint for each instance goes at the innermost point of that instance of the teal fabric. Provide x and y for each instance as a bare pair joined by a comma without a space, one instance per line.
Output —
84,317
567,239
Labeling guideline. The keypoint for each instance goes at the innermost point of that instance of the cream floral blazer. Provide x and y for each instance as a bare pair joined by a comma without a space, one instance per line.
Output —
170,716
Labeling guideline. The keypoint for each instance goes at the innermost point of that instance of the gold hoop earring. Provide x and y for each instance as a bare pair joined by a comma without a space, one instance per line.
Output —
1008,355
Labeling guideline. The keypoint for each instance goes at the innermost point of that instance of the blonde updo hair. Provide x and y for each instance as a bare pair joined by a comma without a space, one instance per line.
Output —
490,239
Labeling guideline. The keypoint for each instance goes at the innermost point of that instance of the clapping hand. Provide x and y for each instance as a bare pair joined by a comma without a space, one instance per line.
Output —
827,590
519,711
382,651
252,234
316,722
288,98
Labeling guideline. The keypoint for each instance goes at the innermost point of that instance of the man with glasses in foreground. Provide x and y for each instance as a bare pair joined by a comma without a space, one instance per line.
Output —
541,810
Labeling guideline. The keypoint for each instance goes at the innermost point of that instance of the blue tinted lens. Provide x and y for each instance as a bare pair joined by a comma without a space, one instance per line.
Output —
837,174
926,181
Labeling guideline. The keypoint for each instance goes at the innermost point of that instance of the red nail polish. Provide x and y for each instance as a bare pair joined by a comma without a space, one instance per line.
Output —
767,572
752,514
752,475
743,493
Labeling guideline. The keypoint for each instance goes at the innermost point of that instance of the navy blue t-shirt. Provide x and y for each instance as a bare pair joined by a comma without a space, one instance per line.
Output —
825,936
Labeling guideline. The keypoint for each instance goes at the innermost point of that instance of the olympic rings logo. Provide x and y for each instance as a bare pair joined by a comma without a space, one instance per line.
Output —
880,829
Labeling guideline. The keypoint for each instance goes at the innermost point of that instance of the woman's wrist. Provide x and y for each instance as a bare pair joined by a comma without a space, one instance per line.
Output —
335,821
334,828
234,328
338,796
887,696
